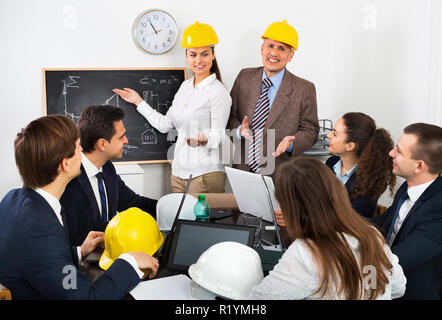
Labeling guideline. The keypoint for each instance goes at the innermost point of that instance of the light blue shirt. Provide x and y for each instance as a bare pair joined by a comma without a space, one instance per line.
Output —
343,177
276,83
273,90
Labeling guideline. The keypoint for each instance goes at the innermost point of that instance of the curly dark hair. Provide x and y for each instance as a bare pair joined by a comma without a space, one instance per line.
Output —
373,144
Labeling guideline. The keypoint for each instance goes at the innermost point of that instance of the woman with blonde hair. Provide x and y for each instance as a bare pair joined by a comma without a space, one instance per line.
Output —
335,253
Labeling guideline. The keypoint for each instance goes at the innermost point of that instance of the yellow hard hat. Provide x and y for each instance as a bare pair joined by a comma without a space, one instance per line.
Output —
130,230
199,35
282,32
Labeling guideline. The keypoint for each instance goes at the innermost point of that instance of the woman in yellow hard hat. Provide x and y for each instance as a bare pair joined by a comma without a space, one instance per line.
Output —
199,113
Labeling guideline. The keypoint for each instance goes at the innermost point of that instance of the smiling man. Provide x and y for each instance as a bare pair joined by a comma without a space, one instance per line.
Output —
270,97
98,193
413,223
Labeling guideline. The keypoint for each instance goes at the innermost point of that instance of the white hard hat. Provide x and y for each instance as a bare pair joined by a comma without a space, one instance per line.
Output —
229,269
199,293
167,208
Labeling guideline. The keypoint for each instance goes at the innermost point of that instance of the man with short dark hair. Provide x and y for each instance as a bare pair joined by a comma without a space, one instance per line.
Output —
98,193
37,261
413,224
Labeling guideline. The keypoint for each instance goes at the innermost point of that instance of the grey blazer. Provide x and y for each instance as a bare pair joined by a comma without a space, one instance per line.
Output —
293,112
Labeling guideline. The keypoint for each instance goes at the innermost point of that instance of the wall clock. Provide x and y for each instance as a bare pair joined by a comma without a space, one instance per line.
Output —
155,31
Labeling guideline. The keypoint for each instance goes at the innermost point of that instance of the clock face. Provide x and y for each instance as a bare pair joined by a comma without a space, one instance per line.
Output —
155,31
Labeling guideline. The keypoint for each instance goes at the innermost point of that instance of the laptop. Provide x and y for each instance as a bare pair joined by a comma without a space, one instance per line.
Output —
192,238
255,195
251,193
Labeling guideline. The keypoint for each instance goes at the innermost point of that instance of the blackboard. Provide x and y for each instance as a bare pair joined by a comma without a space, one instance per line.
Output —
68,91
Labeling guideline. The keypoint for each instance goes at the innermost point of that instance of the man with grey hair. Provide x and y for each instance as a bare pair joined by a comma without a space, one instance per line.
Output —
274,112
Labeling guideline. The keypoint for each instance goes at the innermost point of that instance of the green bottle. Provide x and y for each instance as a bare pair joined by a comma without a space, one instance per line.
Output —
201,209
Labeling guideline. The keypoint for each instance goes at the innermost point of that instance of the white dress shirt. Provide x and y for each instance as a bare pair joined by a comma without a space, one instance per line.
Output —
414,194
297,276
52,201
201,109
91,171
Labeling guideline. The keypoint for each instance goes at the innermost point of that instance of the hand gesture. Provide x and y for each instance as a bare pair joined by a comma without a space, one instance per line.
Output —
93,240
129,95
196,142
146,263
283,145
245,131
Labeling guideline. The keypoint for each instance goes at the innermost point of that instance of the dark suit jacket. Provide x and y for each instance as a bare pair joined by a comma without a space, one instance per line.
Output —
362,205
293,112
419,242
36,257
81,208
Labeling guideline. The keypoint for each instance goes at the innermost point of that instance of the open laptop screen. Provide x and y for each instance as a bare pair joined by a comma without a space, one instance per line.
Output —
250,193
192,238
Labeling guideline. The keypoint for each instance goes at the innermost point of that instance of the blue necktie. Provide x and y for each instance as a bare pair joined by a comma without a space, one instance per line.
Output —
99,176
402,199
260,116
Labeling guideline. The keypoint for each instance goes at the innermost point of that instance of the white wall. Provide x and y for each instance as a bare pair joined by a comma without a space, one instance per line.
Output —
378,57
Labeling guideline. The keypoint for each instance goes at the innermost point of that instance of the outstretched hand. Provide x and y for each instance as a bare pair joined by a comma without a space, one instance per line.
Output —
283,145
129,95
245,130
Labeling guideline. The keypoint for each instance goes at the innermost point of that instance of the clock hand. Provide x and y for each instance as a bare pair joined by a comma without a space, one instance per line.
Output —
153,27
149,34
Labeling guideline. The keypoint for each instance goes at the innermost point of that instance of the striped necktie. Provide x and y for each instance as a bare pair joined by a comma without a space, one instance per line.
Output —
260,116
99,176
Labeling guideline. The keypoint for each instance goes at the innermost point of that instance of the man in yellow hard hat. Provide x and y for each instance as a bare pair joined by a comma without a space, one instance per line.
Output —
271,97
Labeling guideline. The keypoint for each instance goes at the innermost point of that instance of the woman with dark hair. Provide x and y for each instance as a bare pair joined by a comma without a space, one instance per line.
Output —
199,113
361,160
335,253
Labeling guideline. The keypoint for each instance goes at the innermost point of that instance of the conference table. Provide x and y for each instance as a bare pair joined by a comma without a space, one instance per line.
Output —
267,236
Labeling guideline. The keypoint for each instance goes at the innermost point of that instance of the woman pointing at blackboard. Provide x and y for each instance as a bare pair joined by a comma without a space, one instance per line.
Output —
199,113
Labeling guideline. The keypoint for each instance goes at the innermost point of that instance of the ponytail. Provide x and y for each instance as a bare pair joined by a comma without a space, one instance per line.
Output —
215,69
375,166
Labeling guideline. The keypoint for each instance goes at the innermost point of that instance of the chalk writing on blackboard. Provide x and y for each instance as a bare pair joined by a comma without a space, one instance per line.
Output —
66,85
69,91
